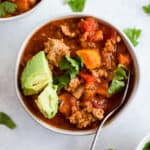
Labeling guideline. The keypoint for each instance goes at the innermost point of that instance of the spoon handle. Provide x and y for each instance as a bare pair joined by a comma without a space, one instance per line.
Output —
98,131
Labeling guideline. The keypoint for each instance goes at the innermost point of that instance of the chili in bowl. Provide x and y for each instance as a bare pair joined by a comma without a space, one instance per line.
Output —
13,9
72,71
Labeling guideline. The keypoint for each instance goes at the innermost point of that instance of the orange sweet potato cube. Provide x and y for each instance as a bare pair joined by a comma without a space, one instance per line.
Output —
91,57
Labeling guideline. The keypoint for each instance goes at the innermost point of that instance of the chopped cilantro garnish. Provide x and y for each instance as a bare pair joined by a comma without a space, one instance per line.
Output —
7,121
118,81
146,146
146,9
62,81
7,7
133,35
76,5
71,66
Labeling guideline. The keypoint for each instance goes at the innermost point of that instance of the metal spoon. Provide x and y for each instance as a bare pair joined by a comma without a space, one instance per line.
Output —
95,139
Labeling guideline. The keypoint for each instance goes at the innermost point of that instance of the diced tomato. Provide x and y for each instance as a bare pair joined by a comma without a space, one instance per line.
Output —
88,25
87,77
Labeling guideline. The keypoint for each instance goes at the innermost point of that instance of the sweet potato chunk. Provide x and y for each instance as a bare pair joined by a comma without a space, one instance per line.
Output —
32,2
124,59
23,5
91,57
102,89
68,104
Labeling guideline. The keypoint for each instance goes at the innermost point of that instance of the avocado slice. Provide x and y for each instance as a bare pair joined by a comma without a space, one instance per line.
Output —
36,74
47,101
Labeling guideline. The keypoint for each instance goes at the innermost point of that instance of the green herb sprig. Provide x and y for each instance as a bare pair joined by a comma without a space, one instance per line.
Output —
7,7
71,67
133,34
146,146
7,121
146,9
76,5
118,81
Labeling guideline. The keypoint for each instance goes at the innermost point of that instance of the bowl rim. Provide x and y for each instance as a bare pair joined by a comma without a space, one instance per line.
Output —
22,14
127,43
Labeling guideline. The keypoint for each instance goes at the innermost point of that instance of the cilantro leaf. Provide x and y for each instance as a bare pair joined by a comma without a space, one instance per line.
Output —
133,35
7,121
2,11
71,66
64,64
76,62
120,73
115,86
146,146
76,5
146,9
80,61
7,7
62,81
68,63
73,73
118,81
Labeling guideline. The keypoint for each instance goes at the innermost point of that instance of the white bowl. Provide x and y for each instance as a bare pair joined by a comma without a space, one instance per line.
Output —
58,130
143,142
22,14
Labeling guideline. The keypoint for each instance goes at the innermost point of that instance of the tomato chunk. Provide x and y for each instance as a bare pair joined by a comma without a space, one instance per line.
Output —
88,25
87,77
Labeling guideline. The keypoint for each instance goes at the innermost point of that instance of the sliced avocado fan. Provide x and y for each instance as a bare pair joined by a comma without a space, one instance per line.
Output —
47,101
36,75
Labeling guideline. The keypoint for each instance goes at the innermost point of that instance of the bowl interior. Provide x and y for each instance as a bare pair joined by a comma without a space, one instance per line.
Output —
84,132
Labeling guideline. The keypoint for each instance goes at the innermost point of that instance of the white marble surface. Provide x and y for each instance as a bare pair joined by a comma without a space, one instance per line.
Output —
125,132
